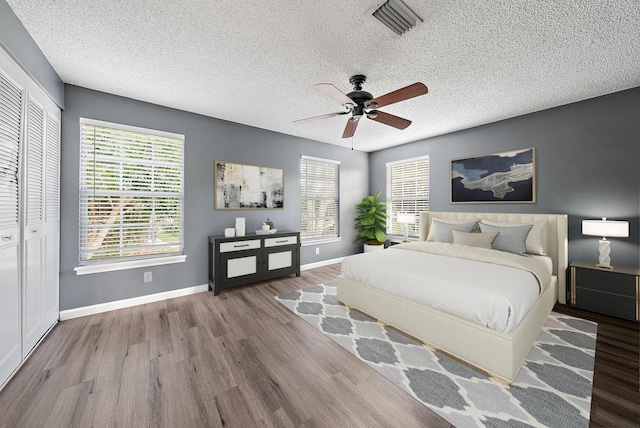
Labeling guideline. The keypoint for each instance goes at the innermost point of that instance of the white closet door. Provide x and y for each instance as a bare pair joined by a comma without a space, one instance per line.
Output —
11,94
52,218
33,326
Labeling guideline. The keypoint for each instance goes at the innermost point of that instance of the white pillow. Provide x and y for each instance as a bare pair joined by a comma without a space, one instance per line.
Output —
431,237
482,240
536,240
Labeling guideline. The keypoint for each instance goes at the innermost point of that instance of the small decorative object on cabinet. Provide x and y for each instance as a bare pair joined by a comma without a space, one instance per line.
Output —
252,258
614,291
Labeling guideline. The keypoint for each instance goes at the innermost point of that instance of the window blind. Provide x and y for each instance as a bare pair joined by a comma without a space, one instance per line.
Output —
320,188
407,192
131,192
10,122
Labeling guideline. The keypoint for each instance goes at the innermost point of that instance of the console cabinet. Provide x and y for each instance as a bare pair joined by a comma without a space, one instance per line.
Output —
245,259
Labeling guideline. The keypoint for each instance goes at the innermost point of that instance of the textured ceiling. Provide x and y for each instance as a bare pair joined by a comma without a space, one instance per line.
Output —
255,62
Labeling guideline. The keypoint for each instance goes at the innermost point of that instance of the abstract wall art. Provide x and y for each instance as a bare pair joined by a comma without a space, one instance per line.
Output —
241,186
497,177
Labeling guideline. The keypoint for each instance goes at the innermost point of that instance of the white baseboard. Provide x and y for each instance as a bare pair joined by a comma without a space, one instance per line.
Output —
320,264
150,298
127,303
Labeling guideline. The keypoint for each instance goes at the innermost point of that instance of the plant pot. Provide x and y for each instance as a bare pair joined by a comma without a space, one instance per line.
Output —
368,247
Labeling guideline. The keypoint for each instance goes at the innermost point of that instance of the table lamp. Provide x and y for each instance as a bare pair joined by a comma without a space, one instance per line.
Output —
405,219
605,228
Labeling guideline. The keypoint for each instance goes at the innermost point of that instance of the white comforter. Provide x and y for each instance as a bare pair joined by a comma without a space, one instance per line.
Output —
467,282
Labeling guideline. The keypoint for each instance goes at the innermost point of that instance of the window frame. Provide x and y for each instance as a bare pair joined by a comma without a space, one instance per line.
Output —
319,238
413,206
151,191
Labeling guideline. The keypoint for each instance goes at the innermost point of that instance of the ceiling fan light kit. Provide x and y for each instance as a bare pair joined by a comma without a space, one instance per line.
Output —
360,103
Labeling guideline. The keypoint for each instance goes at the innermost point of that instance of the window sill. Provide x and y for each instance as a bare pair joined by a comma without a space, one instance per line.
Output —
109,267
319,241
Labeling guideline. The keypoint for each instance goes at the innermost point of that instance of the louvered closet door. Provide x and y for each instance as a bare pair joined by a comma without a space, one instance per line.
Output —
51,217
11,93
33,326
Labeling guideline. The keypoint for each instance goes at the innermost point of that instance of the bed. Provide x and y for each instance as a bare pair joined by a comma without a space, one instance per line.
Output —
500,354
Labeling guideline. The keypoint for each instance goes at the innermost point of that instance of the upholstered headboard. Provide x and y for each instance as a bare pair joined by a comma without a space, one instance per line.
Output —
556,235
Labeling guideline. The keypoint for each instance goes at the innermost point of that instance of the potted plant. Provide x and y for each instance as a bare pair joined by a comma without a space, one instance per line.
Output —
371,222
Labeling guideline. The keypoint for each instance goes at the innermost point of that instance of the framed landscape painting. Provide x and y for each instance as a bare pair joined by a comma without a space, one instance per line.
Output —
507,177
241,186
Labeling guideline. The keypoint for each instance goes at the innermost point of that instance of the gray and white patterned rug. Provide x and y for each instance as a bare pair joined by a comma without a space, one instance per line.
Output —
553,388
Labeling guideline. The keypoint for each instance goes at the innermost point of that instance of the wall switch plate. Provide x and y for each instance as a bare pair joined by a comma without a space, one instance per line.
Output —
147,277
317,250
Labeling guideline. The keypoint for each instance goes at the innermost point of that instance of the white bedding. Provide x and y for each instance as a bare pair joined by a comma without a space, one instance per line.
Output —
489,294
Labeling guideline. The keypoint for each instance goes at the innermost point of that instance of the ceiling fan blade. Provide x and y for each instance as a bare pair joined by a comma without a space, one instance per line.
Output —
350,129
334,93
314,118
389,119
401,94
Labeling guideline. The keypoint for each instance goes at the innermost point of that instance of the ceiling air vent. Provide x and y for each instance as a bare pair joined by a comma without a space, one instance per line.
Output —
397,16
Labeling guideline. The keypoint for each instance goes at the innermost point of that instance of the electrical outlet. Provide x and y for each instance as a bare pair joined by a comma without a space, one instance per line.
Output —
317,250
148,277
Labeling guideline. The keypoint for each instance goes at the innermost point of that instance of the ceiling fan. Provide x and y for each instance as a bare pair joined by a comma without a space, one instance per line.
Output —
359,103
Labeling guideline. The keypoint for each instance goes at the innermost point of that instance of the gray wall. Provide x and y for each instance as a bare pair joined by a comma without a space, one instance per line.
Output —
207,140
15,39
587,157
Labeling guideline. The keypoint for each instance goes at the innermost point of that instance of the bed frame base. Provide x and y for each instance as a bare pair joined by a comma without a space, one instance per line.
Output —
500,355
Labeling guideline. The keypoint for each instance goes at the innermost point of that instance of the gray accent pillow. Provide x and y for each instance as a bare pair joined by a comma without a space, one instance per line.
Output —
443,230
482,240
510,239
536,240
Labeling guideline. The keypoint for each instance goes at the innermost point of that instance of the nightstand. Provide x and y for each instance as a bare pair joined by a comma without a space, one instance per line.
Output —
612,291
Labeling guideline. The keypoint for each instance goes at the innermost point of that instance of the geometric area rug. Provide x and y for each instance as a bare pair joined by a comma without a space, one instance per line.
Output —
552,389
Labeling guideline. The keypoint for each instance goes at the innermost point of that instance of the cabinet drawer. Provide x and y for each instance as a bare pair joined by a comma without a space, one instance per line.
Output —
606,303
226,247
283,240
601,280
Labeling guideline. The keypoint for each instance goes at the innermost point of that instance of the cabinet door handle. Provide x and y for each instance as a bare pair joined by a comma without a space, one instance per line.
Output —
7,237
280,242
241,245
34,231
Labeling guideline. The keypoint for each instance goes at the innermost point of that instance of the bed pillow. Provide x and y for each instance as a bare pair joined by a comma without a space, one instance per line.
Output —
509,239
482,240
443,230
431,237
536,240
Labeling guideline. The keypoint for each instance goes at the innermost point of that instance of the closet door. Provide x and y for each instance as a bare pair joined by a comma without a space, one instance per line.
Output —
33,326
51,228
40,241
11,96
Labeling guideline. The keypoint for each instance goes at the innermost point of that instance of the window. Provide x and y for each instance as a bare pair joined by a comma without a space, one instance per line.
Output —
320,188
407,192
131,193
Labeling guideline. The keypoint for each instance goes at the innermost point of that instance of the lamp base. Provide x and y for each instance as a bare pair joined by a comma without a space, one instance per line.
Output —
604,261
604,266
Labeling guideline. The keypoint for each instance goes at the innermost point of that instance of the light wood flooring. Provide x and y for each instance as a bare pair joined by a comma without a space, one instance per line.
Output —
241,359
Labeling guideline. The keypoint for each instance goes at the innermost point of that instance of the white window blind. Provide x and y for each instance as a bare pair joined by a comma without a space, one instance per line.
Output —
407,192
320,187
10,117
131,192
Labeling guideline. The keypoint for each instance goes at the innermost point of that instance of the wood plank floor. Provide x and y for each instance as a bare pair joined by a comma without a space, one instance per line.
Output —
241,359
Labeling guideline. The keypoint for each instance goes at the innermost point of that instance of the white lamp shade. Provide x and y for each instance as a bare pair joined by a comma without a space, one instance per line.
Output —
404,218
605,228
